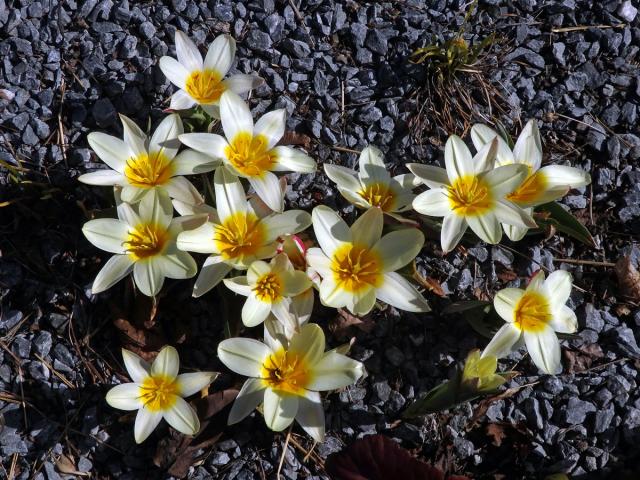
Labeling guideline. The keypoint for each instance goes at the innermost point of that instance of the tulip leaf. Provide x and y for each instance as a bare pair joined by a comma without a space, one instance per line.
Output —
439,398
464,306
565,222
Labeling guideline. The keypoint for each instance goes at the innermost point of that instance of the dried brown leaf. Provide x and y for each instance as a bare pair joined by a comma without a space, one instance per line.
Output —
65,464
496,433
344,323
628,278
430,284
581,359
293,138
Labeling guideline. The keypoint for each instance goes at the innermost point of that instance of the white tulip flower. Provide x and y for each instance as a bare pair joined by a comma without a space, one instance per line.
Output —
535,314
158,392
358,264
543,184
144,242
470,193
201,82
287,378
140,164
237,236
250,151
373,186
269,288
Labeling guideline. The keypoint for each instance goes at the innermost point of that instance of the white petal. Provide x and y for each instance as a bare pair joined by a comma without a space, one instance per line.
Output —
190,162
132,194
180,188
212,110
146,422
486,157
343,177
187,52
457,158
558,288
453,228
295,282
148,276
308,344
187,222
310,415
502,342
254,311
544,349
137,368
371,165
482,134
220,55
174,71
244,356
271,125
251,395
155,207
432,177
125,396
208,143
181,100
282,310
134,137
528,148
212,272
199,240
334,371
504,180
564,320
486,226
116,268
362,302
267,187
333,296
230,196
166,363
111,150
318,261
515,234
279,409
505,302
179,265
241,83
302,305
537,282
103,178
434,203
164,140
292,160
191,383
398,292
286,223
107,234
367,229
398,248
238,285
331,231
182,417
507,212
235,116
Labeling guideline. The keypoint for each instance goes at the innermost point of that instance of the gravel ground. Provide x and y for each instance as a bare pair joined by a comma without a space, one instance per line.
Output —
340,69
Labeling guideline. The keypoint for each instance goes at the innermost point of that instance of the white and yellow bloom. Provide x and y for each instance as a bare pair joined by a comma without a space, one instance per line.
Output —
237,237
358,264
158,392
372,185
201,82
144,242
269,288
535,314
140,164
287,378
542,184
250,151
470,193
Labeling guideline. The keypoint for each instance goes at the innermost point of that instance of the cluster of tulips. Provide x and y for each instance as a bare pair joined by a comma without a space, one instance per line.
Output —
254,238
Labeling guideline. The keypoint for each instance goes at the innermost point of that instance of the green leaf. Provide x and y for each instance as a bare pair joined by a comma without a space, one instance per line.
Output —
564,222
464,306
439,398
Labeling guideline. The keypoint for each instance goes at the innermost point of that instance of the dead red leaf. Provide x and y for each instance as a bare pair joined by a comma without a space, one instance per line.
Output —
628,278
343,324
376,457
495,431
582,358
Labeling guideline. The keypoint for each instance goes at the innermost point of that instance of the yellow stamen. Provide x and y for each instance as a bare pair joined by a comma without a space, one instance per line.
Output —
146,240
379,195
356,267
158,393
148,171
532,312
530,190
240,235
205,86
268,288
470,195
286,372
249,154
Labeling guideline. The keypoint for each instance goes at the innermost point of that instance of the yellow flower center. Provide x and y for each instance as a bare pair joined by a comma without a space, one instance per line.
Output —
240,235
356,267
148,170
470,195
532,313
158,393
286,372
146,240
378,195
268,288
530,190
249,154
205,86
